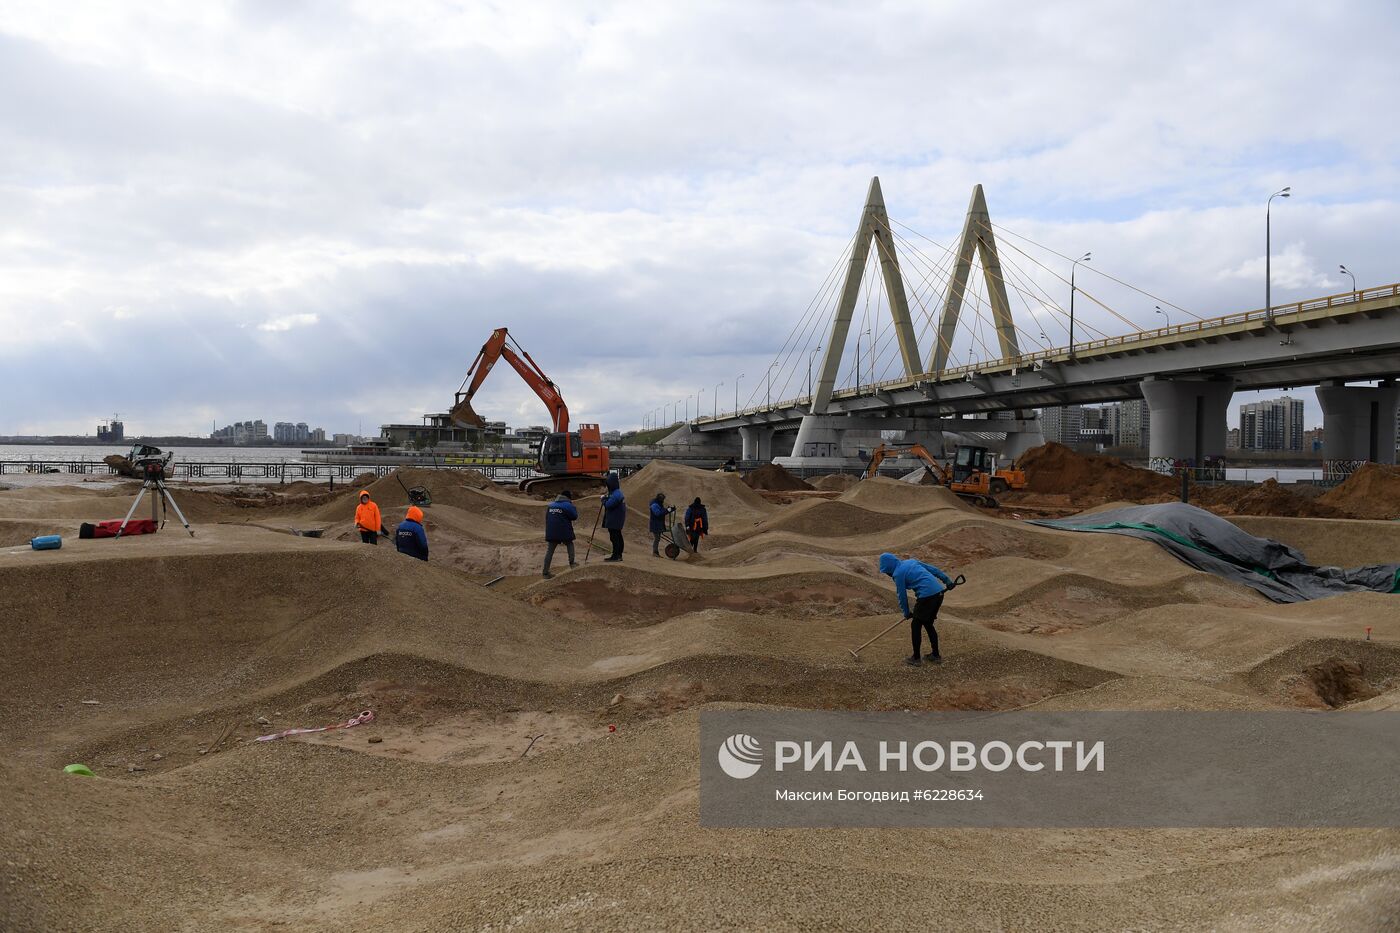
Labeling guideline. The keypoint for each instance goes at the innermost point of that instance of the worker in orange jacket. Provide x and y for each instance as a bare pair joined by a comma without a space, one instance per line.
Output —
367,520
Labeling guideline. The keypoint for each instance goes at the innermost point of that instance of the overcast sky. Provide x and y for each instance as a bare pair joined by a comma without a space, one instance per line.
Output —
318,211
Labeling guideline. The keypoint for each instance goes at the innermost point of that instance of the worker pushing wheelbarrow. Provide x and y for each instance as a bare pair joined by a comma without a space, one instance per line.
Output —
664,524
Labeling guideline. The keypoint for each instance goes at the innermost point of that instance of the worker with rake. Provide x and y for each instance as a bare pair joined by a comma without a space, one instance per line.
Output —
928,584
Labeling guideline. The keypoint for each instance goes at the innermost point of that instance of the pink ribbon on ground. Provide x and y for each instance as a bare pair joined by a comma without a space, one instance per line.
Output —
357,720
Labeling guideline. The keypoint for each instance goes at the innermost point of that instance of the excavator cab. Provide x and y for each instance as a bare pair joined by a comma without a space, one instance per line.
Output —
970,461
566,453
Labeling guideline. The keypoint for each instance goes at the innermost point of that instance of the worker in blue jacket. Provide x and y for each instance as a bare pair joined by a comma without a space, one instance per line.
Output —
657,524
928,584
559,518
409,537
614,515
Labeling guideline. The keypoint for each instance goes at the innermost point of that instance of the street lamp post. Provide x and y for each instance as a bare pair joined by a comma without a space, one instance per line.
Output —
1346,271
809,372
697,403
715,395
1085,258
1268,251
1165,315
736,392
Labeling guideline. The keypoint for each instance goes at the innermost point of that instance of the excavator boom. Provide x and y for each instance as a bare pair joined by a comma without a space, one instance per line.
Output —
497,347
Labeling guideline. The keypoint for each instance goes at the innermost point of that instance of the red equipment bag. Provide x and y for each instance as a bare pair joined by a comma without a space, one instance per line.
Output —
137,526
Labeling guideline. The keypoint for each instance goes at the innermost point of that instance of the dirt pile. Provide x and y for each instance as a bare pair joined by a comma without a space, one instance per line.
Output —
1371,492
880,494
724,494
1266,498
835,482
774,478
1055,469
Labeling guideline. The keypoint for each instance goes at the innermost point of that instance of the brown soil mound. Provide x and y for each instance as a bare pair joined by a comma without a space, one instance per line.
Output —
775,478
835,482
1054,468
1371,492
1266,498
724,494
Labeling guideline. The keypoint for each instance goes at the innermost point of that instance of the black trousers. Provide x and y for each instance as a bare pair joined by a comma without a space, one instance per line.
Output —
615,536
369,537
694,540
925,612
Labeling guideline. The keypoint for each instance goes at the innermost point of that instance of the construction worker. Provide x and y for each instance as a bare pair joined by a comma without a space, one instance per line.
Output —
367,519
928,584
658,522
697,523
410,537
559,520
614,516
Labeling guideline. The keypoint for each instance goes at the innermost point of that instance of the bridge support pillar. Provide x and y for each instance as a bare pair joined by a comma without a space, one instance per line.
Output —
1358,425
1018,442
757,441
1188,421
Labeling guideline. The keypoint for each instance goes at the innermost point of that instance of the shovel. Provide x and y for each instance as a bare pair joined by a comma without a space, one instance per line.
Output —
855,652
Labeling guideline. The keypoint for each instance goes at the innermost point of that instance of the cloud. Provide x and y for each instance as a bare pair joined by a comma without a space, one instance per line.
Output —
264,202
287,322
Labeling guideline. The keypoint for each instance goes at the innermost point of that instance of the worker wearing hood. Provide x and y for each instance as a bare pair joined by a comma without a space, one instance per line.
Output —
367,519
928,584
614,515
410,537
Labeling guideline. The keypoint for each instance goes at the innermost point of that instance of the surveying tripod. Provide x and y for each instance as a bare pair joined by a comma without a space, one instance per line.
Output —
154,479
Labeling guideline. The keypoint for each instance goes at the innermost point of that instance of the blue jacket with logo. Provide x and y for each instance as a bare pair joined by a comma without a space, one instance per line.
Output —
658,517
923,579
559,518
411,539
614,504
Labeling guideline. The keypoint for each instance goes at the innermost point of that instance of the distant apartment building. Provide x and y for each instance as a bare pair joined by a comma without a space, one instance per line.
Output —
1273,424
1062,425
1232,439
1132,423
249,433
1312,440
318,435
113,432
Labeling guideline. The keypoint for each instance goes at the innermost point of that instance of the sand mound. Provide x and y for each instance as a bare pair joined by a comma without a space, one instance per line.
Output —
775,478
1371,492
1328,673
725,496
890,495
835,482
1054,468
832,518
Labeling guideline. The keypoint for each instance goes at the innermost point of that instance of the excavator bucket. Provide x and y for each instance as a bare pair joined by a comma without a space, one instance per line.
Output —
465,416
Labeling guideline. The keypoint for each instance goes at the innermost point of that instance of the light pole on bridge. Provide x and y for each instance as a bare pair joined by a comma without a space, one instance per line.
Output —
1268,251
736,392
1165,315
697,403
1085,258
1346,271
715,395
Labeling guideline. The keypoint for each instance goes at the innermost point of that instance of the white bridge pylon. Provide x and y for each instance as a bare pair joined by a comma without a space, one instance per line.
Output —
875,226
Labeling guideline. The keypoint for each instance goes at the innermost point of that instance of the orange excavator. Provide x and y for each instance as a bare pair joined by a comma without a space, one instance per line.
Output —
972,476
565,457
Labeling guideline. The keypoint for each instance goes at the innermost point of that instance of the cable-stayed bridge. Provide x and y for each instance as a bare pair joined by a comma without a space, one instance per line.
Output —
992,344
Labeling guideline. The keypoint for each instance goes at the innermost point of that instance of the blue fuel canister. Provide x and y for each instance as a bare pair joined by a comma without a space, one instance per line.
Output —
47,542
